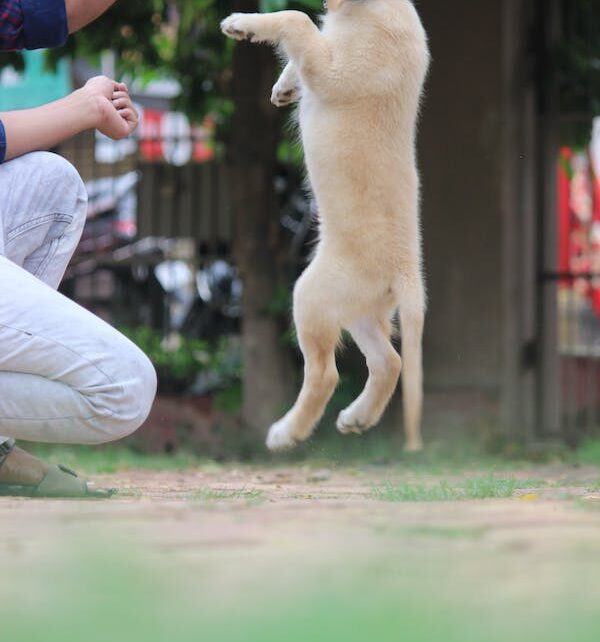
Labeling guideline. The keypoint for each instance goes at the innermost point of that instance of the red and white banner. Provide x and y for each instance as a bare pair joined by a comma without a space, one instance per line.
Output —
579,216
161,136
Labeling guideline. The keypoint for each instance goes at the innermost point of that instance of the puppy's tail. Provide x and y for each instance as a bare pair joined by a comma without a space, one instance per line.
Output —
412,316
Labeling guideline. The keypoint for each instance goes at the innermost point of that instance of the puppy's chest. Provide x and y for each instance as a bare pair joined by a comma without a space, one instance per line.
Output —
308,107
313,112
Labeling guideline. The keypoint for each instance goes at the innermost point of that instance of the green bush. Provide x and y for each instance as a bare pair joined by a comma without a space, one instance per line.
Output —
179,360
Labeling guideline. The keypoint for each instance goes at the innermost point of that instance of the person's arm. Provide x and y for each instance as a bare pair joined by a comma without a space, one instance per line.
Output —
102,104
82,12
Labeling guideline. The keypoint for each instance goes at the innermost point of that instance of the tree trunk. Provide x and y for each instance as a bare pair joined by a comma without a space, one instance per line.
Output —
259,246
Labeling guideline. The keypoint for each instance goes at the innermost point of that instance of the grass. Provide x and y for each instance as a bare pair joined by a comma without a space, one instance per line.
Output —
118,458
385,448
333,451
488,487
252,496
588,453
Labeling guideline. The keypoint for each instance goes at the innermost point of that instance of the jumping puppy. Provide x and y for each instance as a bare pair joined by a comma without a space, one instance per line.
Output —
359,80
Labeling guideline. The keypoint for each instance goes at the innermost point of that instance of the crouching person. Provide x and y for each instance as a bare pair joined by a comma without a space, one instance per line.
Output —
65,375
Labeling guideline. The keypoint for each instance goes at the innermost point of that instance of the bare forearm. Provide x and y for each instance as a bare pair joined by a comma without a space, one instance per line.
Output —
29,130
82,12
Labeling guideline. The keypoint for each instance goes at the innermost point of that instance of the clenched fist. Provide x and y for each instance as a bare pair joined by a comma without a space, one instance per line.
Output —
113,111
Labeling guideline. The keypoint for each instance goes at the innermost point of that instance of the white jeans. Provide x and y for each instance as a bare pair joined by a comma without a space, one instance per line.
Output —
65,375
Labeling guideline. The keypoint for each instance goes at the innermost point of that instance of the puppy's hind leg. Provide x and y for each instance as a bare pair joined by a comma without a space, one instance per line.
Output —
317,336
372,336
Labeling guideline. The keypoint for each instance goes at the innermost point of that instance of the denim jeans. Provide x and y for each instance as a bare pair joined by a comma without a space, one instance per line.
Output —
65,375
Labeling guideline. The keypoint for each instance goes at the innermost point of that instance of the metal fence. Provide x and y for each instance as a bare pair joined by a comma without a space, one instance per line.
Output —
578,348
573,226
144,212
569,224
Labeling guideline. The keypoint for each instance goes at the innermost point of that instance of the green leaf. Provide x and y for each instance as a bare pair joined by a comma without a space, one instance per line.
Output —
267,6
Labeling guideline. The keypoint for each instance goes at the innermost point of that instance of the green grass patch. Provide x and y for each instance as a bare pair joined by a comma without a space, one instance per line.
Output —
383,447
327,450
588,453
489,487
251,496
113,459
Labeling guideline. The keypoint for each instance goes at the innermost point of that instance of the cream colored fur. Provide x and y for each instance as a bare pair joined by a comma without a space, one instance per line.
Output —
359,80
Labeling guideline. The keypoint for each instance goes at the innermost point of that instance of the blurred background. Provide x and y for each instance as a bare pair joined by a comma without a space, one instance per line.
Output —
199,225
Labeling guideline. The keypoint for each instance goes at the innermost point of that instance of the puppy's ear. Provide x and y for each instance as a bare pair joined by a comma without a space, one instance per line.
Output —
334,5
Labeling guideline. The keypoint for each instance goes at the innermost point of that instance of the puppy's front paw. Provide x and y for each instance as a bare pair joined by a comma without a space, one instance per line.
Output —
282,96
239,26
280,436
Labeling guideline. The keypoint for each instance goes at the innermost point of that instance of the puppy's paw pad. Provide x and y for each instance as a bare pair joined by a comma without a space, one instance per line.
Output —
280,437
236,27
281,97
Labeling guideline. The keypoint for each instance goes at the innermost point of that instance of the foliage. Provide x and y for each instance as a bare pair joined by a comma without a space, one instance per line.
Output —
577,62
179,38
173,356
229,399
277,5
179,359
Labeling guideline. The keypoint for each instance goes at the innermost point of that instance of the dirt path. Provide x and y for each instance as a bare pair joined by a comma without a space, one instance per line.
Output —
193,508
263,534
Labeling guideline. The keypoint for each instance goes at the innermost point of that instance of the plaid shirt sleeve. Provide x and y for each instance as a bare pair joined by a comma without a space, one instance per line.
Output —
32,24
11,25
2,143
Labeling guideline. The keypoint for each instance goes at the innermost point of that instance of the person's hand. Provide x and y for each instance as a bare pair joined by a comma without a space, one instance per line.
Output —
114,113
122,102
